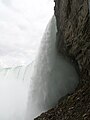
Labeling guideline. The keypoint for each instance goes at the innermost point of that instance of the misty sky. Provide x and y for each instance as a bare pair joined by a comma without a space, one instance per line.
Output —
22,23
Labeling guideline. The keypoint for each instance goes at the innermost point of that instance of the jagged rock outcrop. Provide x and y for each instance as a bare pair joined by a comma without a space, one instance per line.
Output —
73,25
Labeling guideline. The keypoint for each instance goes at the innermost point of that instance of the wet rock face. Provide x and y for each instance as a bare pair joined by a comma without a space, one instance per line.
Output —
73,25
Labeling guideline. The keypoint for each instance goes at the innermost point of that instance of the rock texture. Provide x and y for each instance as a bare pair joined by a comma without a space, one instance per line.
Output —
73,24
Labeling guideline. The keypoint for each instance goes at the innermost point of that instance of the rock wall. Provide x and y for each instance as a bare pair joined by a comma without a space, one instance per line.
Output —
73,25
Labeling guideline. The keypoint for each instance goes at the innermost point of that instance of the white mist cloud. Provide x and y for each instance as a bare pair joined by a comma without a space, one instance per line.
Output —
22,23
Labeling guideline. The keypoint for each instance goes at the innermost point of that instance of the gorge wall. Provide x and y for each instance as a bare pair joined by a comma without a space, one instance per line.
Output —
73,25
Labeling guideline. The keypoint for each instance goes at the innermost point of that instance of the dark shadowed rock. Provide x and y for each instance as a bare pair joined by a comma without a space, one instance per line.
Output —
73,24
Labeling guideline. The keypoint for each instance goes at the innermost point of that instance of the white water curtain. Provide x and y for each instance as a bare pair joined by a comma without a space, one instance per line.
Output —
52,75
26,91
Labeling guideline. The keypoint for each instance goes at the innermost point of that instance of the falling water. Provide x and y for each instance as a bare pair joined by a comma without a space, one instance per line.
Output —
14,84
27,91
52,77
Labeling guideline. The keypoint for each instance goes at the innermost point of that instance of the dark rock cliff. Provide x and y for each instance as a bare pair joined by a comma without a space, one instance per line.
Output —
73,25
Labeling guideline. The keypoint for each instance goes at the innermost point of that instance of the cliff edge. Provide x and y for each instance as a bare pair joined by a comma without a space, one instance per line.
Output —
73,25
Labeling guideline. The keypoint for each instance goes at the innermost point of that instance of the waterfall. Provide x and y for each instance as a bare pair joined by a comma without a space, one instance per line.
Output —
27,91
52,77
14,86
